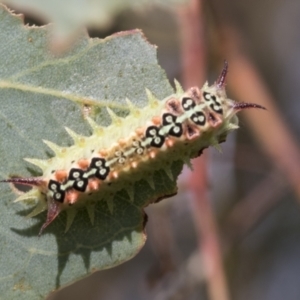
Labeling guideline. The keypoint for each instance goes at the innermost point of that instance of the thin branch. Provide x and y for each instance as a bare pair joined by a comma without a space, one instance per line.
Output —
193,60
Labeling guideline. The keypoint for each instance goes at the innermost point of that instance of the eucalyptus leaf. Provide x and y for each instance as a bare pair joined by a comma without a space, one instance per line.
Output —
41,93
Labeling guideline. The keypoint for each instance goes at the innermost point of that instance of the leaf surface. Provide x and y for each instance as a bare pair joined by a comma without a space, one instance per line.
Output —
39,95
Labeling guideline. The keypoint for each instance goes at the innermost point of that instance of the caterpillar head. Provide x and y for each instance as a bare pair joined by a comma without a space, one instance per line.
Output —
220,84
212,105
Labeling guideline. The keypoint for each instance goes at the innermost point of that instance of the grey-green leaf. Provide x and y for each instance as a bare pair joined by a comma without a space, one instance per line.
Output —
39,95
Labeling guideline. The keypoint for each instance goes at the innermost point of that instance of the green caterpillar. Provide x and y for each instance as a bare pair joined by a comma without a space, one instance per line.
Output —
177,128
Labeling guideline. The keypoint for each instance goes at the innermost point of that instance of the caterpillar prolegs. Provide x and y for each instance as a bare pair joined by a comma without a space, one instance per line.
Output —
94,168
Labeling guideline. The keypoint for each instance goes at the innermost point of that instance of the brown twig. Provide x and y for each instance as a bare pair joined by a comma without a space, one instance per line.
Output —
192,43
268,127
250,210
208,233
193,60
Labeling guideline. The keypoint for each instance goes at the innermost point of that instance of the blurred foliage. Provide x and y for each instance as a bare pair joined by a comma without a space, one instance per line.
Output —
71,16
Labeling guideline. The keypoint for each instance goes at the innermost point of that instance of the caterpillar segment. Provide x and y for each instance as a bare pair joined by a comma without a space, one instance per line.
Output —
130,149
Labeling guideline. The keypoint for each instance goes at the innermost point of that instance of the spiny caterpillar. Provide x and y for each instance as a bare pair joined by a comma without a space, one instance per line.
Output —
130,149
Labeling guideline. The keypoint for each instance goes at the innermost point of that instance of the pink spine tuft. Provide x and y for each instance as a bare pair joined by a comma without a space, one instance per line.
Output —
221,80
242,105
25,181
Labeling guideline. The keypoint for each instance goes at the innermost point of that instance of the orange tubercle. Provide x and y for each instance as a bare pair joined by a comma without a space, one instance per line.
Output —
115,174
134,164
61,175
71,197
103,153
152,154
139,131
122,142
156,120
94,184
83,163
169,143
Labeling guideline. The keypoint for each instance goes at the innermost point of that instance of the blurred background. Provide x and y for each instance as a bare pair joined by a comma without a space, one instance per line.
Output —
233,230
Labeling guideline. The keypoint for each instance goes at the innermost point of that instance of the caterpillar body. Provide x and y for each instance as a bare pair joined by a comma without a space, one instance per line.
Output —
96,167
